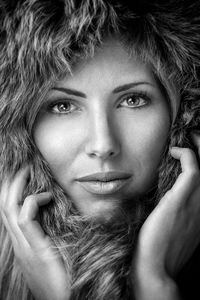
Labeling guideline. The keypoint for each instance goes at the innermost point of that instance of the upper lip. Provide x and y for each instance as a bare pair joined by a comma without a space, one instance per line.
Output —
105,176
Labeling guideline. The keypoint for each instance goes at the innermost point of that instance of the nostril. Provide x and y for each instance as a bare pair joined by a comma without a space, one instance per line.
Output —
102,142
101,153
112,153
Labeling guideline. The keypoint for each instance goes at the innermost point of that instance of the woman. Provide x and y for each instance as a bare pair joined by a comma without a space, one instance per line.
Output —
94,97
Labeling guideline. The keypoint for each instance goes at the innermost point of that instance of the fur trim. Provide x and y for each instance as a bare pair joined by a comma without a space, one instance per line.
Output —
41,40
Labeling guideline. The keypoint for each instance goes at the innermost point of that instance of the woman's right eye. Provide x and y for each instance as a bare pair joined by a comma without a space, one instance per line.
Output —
65,107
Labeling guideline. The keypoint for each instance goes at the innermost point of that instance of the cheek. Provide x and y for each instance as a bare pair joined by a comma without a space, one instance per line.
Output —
146,146
153,139
57,144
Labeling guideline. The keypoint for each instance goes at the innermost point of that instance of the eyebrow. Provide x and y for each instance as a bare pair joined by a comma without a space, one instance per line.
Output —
70,91
126,87
119,89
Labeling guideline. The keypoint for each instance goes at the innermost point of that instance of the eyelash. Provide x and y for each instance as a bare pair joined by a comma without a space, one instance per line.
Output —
140,95
62,102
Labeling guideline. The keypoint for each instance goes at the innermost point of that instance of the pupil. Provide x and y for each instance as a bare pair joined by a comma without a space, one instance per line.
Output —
62,107
131,101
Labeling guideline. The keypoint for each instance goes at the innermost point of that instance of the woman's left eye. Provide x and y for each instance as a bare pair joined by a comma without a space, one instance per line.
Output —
63,107
134,101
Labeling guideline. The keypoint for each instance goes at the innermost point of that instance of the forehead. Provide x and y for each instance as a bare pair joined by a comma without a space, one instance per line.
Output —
111,63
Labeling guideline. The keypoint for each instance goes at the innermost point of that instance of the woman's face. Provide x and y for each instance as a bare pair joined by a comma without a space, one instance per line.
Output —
103,130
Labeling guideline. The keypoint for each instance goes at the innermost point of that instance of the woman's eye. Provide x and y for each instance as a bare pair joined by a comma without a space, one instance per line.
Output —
63,108
134,101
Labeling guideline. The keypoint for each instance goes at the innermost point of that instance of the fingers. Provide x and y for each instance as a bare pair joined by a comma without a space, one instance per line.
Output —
3,193
8,228
5,212
39,262
190,176
187,158
28,223
20,217
12,195
15,192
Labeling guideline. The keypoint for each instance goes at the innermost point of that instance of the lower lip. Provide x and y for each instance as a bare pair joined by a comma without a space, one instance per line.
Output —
103,188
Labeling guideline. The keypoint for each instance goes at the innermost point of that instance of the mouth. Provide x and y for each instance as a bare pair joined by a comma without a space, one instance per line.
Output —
104,183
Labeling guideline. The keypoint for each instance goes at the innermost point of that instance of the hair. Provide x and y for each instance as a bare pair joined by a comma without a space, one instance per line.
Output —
40,41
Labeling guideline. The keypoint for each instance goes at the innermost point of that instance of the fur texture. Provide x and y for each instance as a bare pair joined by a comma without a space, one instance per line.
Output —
40,42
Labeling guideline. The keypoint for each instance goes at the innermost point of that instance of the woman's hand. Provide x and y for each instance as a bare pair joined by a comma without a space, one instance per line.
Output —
170,234
40,264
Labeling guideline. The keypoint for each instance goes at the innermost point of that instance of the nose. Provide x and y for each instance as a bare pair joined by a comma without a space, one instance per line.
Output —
103,141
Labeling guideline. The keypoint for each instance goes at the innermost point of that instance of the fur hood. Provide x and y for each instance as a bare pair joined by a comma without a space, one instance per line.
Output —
41,40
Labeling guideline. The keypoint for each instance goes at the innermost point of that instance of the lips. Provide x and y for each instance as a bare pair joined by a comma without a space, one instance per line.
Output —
104,183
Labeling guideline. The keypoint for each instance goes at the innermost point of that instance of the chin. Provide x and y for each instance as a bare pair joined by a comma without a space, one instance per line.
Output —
102,210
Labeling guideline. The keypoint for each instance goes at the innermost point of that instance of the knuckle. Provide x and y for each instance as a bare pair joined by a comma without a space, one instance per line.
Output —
30,198
22,221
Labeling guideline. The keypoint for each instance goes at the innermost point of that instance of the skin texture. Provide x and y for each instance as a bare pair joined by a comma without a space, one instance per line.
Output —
103,132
